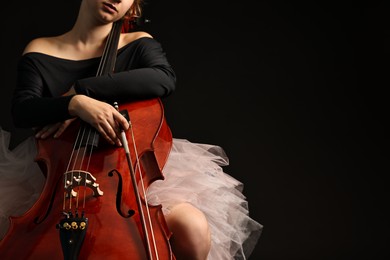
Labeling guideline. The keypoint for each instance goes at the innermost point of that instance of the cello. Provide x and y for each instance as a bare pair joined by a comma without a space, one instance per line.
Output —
93,204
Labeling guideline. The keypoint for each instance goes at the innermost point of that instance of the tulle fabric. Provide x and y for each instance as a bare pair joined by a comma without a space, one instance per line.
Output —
21,180
193,174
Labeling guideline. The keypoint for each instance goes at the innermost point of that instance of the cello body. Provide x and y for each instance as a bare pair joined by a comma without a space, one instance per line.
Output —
89,212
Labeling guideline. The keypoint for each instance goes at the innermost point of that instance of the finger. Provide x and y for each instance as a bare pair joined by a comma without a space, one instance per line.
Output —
49,130
66,124
61,129
121,120
120,125
117,127
103,134
109,133
42,131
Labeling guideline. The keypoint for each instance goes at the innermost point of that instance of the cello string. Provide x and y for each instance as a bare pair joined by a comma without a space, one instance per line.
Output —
106,49
94,136
75,161
79,171
104,55
66,174
67,169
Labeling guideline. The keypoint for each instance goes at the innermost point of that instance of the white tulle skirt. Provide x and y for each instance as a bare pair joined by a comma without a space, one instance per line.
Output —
193,174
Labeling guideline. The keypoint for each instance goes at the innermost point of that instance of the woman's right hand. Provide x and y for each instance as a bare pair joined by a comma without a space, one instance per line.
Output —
102,116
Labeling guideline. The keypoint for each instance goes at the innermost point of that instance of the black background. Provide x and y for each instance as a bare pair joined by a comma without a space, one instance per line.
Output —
294,91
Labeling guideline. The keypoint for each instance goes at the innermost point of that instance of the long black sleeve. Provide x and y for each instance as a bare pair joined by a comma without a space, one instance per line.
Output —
141,72
32,104
153,76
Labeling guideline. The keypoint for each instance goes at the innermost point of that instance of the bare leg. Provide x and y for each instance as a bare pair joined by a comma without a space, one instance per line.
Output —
191,238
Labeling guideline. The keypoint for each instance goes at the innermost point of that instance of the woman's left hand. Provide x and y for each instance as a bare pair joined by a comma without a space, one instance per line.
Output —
53,129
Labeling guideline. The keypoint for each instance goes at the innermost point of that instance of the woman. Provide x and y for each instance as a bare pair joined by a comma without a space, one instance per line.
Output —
57,84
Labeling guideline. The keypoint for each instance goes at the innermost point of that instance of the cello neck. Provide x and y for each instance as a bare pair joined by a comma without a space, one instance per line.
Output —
107,61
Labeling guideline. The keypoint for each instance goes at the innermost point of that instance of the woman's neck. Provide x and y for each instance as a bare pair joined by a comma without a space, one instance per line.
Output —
86,40
85,35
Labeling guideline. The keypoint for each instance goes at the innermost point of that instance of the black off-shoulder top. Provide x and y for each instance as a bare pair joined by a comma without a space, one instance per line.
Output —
142,71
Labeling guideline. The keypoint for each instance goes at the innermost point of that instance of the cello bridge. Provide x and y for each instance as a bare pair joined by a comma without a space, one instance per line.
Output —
80,178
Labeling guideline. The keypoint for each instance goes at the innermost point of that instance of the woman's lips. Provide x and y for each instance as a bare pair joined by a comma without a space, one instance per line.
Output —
110,7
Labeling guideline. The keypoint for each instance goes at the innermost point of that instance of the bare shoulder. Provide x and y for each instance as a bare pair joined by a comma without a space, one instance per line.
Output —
132,36
42,45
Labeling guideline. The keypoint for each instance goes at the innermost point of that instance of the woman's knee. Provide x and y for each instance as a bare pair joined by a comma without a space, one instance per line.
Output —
191,233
